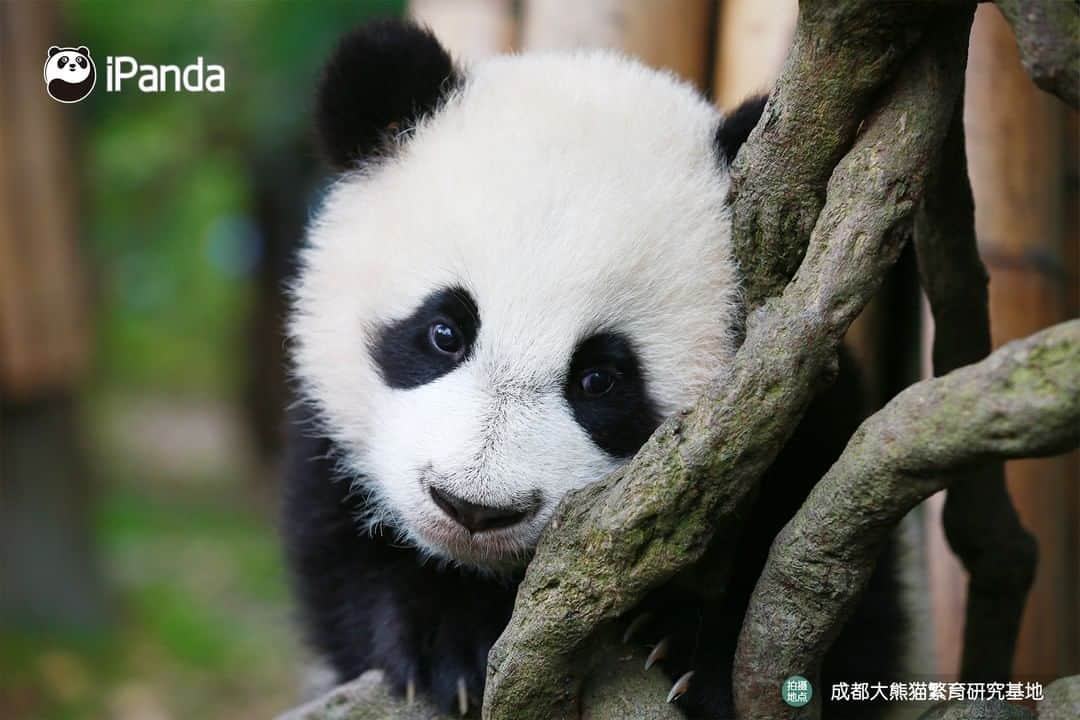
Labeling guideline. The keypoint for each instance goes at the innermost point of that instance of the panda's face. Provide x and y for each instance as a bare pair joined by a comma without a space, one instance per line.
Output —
505,309
71,65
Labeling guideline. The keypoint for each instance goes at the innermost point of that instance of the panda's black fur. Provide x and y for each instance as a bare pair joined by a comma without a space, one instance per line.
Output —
370,602
369,63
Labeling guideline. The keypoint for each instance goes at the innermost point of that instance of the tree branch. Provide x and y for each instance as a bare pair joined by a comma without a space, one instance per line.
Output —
365,698
980,522
615,689
611,542
1062,700
1022,401
1047,32
842,53
978,710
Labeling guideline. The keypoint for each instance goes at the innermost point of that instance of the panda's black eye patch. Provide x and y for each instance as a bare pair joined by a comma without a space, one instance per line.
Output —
606,391
62,61
437,337
81,61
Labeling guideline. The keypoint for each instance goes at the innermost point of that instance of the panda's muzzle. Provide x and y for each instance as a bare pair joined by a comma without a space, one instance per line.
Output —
478,518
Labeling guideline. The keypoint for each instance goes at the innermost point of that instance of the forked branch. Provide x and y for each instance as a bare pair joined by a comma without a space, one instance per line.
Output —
613,541
1022,401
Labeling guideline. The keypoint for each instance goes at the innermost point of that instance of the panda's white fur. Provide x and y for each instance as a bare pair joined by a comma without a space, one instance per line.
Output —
569,194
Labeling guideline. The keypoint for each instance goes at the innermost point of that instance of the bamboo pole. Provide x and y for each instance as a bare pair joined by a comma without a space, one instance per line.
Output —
1072,266
470,29
671,35
753,37
1015,154
49,571
44,333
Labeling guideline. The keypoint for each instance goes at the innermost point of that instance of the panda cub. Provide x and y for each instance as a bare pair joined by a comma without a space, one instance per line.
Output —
69,73
521,270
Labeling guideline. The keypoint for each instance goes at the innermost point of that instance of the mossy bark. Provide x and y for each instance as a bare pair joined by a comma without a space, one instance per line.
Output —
613,541
979,710
1062,700
1022,401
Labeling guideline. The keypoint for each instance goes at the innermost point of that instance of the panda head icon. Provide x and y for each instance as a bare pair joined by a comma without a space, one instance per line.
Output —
69,74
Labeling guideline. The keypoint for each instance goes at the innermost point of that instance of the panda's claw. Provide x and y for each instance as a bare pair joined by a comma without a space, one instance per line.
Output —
634,626
659,652
680,687
462,697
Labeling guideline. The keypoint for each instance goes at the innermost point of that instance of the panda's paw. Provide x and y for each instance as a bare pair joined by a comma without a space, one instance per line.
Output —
690,652
633,628
453,691
456,688
681,686
659,652
463,699
460,700
634,634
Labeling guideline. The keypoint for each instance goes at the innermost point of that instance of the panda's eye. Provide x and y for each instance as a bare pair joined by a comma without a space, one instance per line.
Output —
81,61
597,382
446,338
62,61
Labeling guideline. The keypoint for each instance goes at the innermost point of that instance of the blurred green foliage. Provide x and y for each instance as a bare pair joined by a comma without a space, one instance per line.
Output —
167,177
203,627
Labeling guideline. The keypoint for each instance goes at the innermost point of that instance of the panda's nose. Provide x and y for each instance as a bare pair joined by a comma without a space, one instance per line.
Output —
477,518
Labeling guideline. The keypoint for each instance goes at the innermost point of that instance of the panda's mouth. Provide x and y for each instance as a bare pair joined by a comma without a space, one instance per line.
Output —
476,533
507,547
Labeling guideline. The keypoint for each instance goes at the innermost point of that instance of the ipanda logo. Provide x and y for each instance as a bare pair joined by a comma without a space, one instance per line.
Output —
70,75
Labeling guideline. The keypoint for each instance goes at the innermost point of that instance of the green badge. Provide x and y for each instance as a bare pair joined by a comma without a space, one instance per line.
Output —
796,691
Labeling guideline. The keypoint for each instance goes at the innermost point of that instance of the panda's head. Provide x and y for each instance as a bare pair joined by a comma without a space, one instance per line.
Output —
69,73
523,269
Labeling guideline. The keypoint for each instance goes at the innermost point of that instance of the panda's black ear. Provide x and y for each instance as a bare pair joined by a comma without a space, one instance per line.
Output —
382,78
83,50
736,126
53,50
